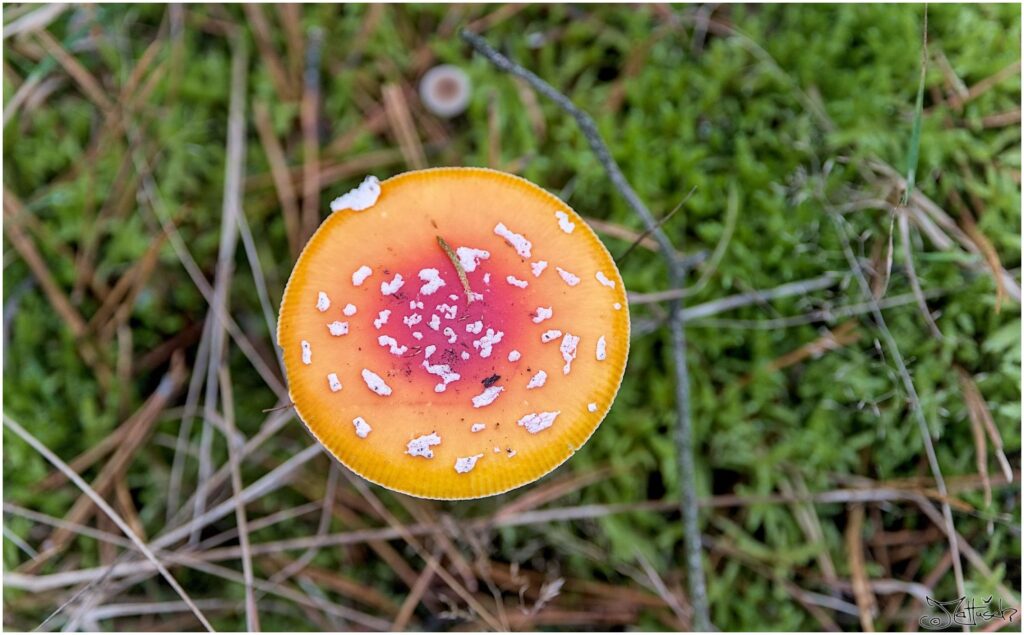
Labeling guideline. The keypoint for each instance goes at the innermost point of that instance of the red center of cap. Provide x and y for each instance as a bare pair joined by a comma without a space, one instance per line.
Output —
430,331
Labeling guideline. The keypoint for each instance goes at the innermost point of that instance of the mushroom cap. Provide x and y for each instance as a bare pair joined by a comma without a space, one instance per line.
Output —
428,393
445,90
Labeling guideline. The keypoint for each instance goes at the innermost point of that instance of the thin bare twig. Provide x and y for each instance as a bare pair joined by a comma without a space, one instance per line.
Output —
676,275
866,606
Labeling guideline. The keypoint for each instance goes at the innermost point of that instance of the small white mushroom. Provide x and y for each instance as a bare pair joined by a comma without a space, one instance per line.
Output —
444,90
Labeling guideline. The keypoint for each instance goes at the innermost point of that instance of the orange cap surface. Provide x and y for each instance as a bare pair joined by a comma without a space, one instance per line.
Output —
418,388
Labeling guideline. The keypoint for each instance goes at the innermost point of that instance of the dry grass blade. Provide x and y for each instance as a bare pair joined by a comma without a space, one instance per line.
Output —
985,85
282,180
915,283
54,460
252,618
981,417
402,127
550,491
19,543
623,233
866,605
89,84
807,518
663,592
336,582
119,295
1001,119
415,594
291,19
36,20
843,335
983,244
13,210
310,115
261,32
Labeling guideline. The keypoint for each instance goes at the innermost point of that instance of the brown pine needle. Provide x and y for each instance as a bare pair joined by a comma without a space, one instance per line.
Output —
458,268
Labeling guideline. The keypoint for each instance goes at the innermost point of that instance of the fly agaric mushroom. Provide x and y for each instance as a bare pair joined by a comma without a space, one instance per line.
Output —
488,340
